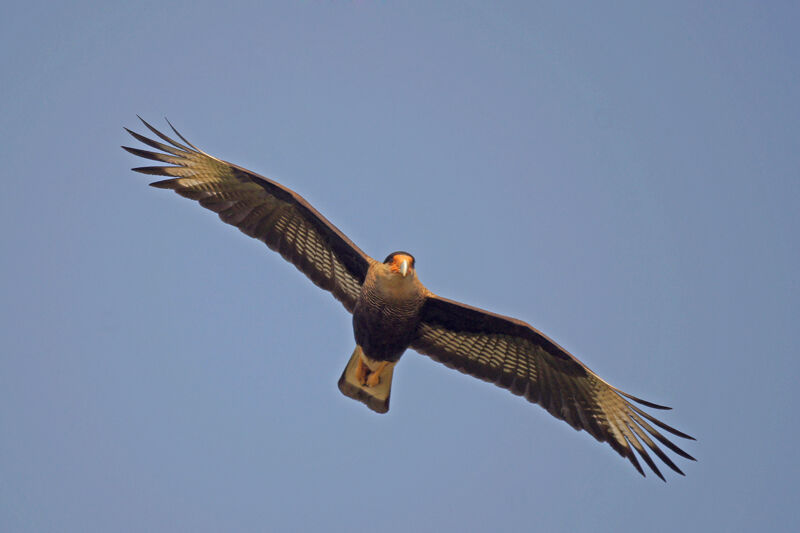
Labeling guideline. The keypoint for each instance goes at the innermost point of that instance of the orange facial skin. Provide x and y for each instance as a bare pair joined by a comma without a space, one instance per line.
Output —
397,262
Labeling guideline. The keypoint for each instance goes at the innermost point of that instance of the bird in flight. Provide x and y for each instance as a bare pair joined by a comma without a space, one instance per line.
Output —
393,311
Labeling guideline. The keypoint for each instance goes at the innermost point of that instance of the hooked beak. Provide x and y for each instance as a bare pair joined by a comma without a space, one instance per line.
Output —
403,267
401,264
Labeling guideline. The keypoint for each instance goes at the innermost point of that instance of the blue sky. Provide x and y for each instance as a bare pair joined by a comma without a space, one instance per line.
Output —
625,178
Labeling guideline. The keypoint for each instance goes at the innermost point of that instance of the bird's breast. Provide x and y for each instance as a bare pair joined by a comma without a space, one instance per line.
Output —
384,327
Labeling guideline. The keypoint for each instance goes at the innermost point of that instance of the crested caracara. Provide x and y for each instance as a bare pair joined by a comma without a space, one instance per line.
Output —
393,311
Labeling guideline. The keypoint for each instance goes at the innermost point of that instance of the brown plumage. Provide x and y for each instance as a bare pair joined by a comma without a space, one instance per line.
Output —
392,310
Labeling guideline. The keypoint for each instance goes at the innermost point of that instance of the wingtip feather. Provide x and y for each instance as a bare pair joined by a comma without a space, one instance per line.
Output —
156,171
173,142
644,402
179,134
163,184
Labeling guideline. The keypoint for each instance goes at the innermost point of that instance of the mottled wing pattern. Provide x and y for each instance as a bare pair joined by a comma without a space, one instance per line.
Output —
263,209
513,355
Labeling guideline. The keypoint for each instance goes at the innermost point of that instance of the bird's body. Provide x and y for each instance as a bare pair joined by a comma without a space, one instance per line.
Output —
386,315
385,323
393,311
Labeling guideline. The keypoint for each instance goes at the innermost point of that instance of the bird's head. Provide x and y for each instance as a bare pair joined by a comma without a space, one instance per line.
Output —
400,264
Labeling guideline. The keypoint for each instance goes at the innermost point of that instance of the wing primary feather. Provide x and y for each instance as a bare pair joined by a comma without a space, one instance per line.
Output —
647,459
632,456
652,445
643,402
164,137
662,439
643,451
181,136
155,156
155,144
163,184
630,438
155,171
661,424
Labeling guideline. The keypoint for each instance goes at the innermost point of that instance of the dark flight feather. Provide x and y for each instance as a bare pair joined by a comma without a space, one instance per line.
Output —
515,356
263,209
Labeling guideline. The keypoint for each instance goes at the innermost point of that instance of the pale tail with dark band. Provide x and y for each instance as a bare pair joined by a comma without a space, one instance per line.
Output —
377,397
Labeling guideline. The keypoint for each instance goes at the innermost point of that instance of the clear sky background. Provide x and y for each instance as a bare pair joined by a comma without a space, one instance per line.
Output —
625,178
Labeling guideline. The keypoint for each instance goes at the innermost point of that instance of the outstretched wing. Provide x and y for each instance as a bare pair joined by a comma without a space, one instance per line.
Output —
513,355
262,209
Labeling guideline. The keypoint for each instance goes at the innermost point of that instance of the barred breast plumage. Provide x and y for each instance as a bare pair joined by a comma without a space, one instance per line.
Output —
386,317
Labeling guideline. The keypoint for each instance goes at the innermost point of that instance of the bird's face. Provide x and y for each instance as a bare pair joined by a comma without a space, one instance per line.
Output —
400,264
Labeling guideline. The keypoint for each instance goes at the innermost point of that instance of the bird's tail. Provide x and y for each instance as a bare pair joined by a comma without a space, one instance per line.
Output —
375,397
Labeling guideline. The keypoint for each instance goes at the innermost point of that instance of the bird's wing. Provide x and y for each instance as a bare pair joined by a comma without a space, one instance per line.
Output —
515,356
263,209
